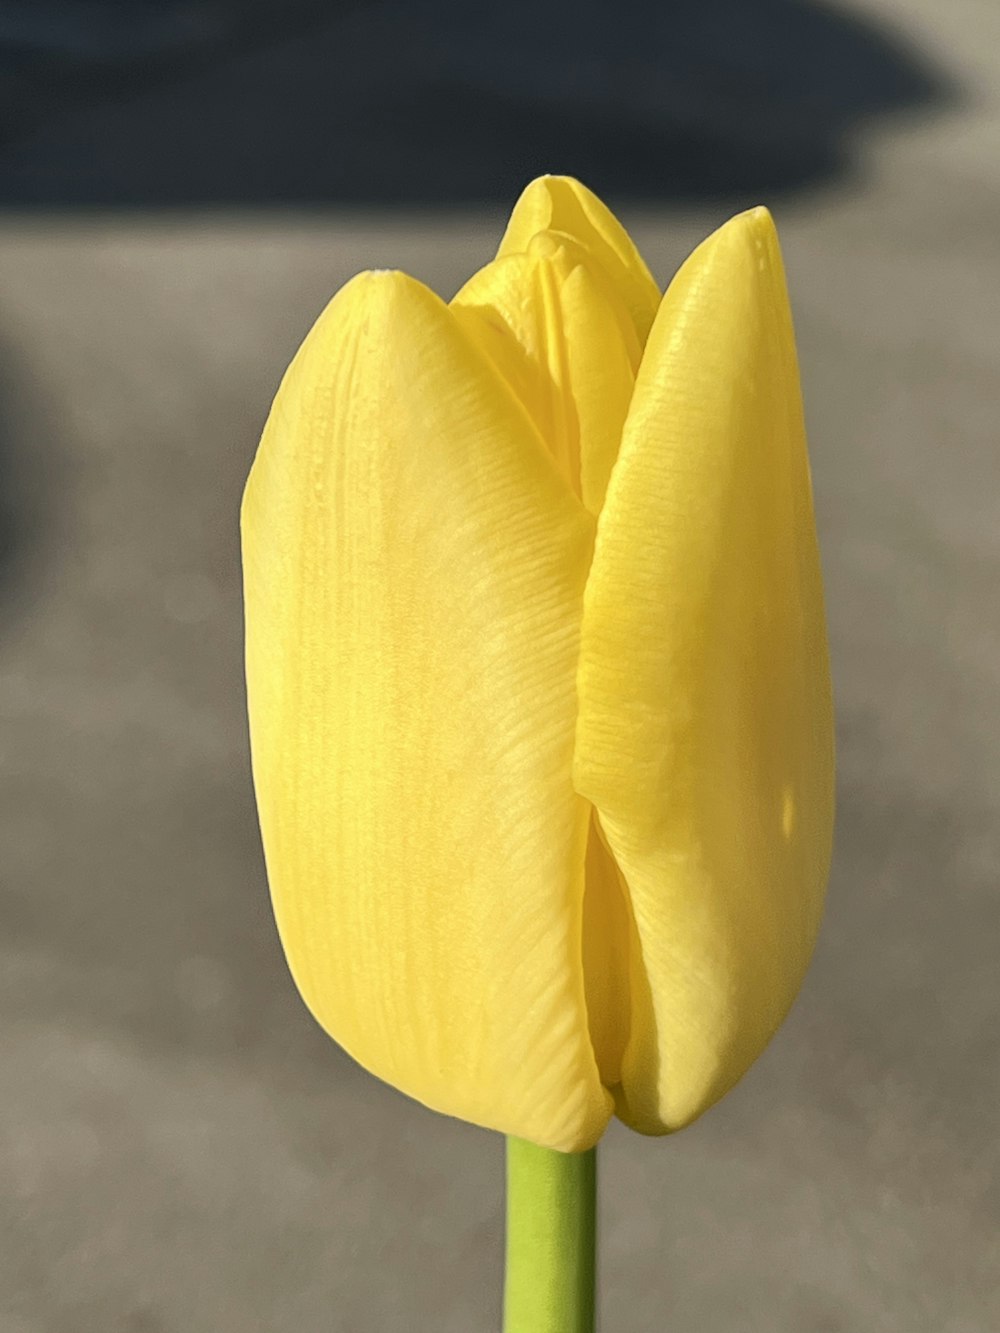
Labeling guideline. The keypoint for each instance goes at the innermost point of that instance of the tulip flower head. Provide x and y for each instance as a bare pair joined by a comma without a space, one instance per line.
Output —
538,687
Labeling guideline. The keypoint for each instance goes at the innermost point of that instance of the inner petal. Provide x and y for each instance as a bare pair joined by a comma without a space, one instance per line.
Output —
561,336
562,204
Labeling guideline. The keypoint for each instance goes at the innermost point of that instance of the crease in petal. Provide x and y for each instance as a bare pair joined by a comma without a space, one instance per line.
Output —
558,332
606,945
562,204
705,730
414,570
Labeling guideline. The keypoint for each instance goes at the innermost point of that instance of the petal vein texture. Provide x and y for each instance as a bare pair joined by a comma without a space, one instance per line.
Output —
705,730
414,570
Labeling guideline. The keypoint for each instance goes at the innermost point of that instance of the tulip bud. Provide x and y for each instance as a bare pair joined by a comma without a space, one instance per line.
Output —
537,673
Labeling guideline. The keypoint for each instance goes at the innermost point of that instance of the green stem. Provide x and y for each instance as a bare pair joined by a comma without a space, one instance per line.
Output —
549,1285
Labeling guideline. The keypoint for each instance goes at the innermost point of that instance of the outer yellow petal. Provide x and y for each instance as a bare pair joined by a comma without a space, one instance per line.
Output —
413,575
705,732
556,329
559,203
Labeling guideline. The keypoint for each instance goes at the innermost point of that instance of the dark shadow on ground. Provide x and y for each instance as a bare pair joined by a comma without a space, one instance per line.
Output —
444,103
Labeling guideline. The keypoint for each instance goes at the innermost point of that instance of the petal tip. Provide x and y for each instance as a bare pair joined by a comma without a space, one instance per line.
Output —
753,228
746,247
752,222
381,284
378,297
759,224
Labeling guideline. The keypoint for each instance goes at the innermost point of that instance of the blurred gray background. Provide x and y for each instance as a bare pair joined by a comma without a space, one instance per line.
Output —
181,189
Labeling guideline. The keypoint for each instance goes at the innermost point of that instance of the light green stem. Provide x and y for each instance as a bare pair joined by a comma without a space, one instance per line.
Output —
549,1284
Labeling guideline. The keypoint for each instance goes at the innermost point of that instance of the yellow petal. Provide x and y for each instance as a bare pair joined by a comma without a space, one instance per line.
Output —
705,732
558,332
414,569
618,998
559,203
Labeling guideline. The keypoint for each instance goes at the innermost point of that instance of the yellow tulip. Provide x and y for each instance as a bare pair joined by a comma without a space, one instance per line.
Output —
537,672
